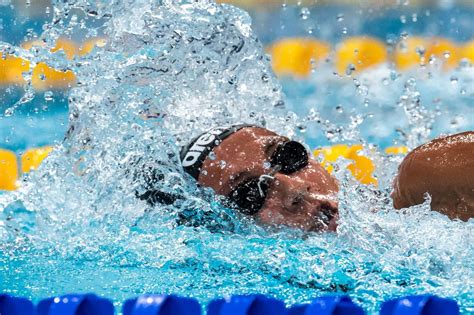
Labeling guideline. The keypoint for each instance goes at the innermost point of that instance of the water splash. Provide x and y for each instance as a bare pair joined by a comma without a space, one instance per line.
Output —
170,70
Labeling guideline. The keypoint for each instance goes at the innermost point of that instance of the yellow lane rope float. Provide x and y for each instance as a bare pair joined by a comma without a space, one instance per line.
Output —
296,56
9,168
467,51
32,158
359,53
44,77
416,51
11,69
409,53
361,167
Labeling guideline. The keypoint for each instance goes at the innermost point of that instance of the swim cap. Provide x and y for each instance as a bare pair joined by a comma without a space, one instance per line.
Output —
195,153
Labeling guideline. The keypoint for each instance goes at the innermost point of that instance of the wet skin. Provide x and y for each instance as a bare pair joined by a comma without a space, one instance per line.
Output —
443,168
305,199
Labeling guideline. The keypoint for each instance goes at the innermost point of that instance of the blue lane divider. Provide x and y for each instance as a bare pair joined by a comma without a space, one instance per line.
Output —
420,305
246,305
10,305
90,304
328,305
75,304
161,305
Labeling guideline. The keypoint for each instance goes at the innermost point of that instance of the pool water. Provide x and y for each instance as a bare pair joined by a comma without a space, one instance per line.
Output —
169,71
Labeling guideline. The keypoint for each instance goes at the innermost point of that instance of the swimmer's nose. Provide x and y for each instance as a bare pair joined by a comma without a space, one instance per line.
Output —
297,196
292,191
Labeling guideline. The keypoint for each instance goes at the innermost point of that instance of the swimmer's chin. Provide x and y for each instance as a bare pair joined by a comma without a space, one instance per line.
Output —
318,225
321,226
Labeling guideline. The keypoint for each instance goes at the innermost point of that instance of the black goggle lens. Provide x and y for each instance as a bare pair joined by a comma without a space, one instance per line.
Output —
250,196
291,156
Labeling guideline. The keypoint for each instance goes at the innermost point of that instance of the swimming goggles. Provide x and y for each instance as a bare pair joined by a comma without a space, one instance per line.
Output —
249,196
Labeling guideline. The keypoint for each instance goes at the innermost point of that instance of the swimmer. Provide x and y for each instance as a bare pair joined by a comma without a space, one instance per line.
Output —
274,179
264,175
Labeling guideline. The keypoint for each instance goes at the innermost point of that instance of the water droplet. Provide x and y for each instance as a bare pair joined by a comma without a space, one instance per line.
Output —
463,91
212,156
385,81
266,165
403,19
301,127
420,51
48,96
414,17
363,90
339,109
344,30
404,35
340,17
454,123
447,54
8,112
305,13
350,68
92,13
465,63
394,75
453,79
223,164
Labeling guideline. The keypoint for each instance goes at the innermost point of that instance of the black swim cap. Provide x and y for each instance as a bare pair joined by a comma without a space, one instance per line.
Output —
193,155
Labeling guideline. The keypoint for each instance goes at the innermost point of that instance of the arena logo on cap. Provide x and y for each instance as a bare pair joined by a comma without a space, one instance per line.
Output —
200,146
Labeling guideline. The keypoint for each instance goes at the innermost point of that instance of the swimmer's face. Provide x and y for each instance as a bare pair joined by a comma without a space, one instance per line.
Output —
303,199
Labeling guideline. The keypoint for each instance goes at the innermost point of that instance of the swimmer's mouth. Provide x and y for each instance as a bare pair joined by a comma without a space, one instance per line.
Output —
327,217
